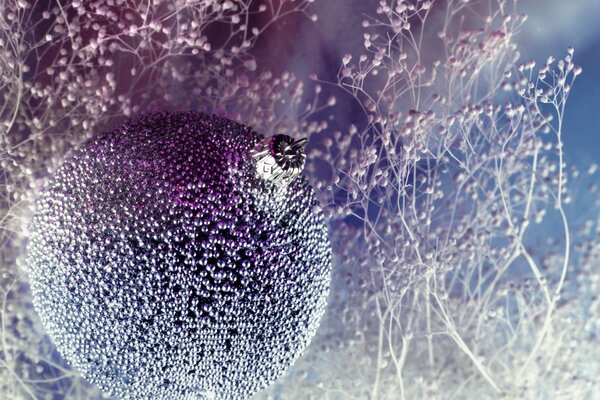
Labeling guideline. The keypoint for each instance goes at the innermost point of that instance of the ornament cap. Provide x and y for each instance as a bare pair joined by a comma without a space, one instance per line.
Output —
279,158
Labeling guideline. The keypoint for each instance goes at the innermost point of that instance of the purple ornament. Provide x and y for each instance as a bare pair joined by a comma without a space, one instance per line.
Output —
180,256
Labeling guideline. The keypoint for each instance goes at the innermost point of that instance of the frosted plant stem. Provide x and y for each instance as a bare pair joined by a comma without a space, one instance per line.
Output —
559,206
548,319
429,336
521,248
465,349
399,362
405,344
379,350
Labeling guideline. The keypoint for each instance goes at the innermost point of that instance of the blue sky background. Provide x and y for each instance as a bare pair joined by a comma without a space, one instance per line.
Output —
552,26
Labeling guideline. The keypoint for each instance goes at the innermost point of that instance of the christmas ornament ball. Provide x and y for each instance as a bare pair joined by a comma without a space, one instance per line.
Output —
180,256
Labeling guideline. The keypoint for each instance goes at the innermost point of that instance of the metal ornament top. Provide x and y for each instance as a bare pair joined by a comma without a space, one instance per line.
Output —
279,158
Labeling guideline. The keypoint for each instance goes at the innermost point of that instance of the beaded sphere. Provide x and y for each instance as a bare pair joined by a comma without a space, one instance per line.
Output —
165,266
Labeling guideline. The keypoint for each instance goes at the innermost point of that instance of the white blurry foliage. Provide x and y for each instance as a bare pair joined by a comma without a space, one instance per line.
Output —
458,273
441,288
